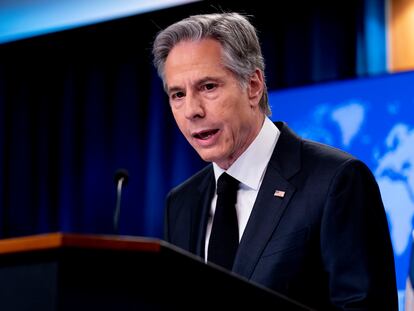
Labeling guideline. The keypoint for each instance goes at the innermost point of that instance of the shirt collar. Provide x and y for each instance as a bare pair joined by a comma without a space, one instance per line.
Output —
249,168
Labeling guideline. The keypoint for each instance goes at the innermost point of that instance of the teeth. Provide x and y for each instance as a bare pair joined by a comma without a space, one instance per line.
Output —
205,135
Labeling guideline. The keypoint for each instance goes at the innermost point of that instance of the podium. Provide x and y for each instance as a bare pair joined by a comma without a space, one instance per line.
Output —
60,272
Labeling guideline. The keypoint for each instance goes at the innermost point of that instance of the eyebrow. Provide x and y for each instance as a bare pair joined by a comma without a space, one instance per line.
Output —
198,82
207,79
173,89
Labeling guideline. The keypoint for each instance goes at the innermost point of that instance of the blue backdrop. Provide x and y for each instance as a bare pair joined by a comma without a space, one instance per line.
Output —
77,105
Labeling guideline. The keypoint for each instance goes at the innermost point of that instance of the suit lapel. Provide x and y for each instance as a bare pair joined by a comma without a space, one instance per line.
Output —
268,208
200,214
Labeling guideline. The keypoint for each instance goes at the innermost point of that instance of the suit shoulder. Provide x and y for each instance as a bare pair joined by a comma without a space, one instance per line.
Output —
326,159
293,145
294,154
315,151
193,181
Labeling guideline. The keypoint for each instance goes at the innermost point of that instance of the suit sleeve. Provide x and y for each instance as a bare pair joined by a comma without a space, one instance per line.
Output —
166,218
355,242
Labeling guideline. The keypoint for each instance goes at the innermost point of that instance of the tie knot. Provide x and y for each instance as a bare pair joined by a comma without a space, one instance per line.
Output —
227,183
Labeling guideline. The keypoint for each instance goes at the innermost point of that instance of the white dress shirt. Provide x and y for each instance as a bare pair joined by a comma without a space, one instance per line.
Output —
249,169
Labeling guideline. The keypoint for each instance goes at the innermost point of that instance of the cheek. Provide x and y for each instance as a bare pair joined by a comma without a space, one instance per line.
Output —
177,115
180,121
230,135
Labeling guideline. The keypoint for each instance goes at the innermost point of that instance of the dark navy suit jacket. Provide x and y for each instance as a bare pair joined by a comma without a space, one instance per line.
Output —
325,243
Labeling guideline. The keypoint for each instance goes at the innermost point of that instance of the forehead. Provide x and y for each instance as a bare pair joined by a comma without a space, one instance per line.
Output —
194,57
195,50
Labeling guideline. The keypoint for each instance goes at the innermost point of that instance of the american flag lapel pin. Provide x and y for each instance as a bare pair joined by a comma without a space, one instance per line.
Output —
279,193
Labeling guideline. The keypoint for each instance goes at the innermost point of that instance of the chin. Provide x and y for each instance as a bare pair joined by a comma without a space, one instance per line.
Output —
208,157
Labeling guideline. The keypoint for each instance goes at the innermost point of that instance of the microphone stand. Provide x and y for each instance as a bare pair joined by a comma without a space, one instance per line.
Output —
121,177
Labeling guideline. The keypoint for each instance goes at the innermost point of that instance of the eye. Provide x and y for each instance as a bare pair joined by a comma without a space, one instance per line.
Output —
209,86
177,95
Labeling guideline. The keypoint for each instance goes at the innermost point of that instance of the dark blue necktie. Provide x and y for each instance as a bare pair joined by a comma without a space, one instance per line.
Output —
224,238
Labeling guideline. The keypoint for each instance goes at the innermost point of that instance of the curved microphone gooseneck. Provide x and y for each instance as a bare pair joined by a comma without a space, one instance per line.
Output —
121,177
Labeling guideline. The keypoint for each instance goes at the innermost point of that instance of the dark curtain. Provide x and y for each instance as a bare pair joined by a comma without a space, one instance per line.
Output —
79,104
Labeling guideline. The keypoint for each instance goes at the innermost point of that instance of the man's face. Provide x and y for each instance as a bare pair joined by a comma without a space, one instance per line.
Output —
217,116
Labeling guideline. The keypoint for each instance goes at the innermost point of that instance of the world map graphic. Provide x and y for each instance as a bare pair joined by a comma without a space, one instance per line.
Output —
373,119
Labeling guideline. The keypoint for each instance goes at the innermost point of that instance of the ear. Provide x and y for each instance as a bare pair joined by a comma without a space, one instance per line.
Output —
255,87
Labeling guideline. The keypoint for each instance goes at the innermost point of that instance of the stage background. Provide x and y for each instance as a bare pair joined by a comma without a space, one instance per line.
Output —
78,104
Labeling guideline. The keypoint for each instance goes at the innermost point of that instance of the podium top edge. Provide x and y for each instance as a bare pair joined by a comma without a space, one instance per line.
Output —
59,240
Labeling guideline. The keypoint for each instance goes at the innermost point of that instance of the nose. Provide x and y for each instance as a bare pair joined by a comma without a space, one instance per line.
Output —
194,107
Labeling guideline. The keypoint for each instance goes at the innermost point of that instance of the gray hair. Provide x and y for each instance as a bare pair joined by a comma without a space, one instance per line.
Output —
242,54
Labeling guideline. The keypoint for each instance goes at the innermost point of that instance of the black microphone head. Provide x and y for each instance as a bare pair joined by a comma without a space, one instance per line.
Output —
121,173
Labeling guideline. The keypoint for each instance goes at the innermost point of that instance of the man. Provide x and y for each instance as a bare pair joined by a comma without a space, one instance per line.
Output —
310,221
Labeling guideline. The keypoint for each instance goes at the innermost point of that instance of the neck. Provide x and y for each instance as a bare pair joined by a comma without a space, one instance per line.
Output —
255,130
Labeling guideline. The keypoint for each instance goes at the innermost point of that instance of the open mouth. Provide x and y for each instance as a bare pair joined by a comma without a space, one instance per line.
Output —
204,135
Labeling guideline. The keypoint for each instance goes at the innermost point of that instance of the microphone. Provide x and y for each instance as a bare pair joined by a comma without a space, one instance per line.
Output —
121,177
